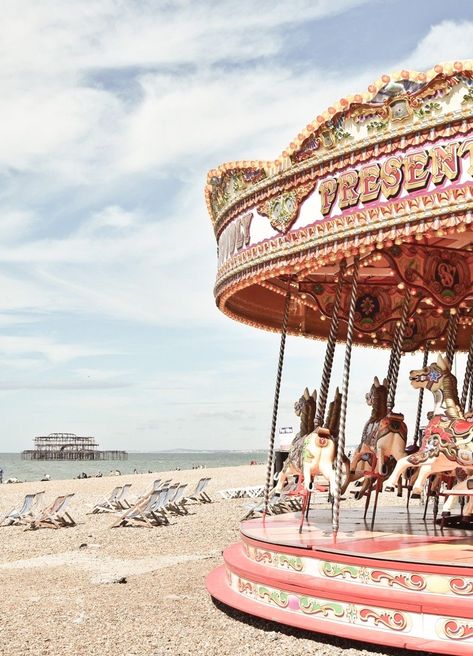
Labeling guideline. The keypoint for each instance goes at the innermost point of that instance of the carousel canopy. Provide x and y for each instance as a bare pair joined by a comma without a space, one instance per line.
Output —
385,175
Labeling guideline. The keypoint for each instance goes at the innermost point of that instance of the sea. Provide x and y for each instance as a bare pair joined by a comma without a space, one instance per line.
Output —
32,470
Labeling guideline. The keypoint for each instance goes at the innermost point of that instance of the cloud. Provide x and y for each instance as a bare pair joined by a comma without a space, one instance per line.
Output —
61,385
447,41
46,348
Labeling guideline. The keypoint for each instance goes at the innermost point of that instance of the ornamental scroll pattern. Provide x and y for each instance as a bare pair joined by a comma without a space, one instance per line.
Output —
455,629
443,274
347,613
412,581
460,586
281,560
283,210
361,228
407,581
306,167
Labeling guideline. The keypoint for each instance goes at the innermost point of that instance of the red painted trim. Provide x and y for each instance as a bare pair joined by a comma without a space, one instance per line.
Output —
218,587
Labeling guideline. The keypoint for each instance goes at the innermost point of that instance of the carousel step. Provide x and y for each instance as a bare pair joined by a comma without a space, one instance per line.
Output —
219,586
416,601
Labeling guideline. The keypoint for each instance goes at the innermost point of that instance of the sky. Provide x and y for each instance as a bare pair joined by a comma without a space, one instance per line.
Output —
111,114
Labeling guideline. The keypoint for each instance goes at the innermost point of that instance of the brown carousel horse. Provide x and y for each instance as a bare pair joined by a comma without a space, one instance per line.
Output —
384,436
304,408
448,438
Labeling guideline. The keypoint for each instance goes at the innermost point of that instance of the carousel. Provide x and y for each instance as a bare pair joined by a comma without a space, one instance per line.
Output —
361,234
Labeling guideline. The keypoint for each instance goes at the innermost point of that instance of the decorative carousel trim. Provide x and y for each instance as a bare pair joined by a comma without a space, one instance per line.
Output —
423,115
382,224
442,585
339,611
275,256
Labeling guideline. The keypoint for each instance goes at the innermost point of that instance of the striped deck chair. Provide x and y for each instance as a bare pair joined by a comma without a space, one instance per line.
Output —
31,505
139,514
199,495
158,508
122,502
107,504
155,485
176,504
54,516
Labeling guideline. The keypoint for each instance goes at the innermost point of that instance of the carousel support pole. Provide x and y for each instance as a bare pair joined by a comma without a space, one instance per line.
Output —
467,380
269,471
470,398
326,372
421,398
451,337
417,427
343,409
329,353
396,351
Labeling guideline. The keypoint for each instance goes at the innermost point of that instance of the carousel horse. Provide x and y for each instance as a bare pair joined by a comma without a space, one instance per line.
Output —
384,435
319,453
464,485
448,438
304,408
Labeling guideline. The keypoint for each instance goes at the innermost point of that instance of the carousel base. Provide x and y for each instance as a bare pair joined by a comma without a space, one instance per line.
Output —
407,583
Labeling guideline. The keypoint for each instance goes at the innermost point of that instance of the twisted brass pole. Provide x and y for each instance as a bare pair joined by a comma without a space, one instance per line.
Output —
451,337
396,351
467,380
282,346
330,351
421,397
343,409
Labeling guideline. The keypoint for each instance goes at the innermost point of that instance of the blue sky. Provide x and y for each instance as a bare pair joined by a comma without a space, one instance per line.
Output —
111,114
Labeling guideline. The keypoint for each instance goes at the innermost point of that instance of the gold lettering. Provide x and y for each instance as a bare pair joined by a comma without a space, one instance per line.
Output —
467,147
415,169
444,163
369,183
327,191
391,176
347,196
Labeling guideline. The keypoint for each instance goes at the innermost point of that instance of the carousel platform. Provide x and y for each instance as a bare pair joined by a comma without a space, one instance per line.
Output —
406,584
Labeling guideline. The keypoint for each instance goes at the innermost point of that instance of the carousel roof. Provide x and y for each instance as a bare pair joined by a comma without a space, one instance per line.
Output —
386,176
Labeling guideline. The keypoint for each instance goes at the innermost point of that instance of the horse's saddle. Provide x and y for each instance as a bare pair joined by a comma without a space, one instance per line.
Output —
449,430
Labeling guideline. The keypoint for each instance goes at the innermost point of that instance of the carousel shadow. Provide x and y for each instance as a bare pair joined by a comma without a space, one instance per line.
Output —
320,638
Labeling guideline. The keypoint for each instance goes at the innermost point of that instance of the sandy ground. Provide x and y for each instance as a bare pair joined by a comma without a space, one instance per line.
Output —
57,595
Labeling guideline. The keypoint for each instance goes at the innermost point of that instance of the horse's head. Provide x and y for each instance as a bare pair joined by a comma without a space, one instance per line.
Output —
377,389
305,400
432,376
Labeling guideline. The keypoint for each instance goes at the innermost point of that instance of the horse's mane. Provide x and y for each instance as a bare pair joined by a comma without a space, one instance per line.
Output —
333,416
450,391
308,416
380,405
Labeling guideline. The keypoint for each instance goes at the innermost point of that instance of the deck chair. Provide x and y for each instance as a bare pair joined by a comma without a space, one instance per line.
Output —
176,504
140,514
198,494
54,516
107,504
157,484
122,501
31,505
158,508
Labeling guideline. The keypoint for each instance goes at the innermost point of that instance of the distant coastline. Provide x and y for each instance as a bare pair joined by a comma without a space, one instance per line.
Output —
138,462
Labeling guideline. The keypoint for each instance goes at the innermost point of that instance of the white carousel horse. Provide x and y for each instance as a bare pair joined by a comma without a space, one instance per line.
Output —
314,452
319,453
448,438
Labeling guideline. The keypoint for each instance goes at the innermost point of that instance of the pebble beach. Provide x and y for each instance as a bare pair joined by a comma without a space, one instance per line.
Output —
92,589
